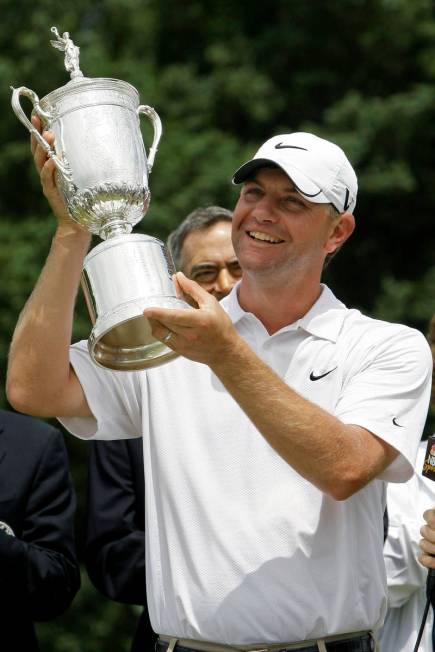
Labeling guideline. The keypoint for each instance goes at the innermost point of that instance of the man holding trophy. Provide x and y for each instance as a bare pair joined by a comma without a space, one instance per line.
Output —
268,436
115,536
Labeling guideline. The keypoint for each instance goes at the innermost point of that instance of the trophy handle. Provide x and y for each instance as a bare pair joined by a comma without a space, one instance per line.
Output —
47,117
157,126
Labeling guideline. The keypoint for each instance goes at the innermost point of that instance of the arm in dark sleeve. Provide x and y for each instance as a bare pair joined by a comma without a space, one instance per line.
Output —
115,541
38,567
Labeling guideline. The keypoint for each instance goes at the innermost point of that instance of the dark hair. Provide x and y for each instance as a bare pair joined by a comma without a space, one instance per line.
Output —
431,332
199,219
333,214
431,340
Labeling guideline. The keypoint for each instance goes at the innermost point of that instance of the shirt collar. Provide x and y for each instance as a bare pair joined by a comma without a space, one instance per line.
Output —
323,320
325,317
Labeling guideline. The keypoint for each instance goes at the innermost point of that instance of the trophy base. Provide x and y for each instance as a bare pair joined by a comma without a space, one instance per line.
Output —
121,277
123,341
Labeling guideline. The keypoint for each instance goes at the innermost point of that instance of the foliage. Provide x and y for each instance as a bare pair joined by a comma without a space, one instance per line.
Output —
91,624
224,76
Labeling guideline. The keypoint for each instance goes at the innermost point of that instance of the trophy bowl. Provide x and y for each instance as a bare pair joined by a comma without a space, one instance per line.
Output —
102,171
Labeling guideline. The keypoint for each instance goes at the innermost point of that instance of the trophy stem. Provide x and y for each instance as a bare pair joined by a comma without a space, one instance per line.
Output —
113,228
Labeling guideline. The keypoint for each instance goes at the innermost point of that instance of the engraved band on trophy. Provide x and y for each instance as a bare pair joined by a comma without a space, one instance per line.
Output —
102,171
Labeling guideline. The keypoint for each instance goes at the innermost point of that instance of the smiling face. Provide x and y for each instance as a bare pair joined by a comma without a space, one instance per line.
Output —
208,258
278,233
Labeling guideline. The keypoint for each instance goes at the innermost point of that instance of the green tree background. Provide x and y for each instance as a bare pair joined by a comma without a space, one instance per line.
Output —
223,77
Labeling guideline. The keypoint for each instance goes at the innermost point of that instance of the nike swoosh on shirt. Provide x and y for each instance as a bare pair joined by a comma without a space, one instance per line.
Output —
314,377
397,424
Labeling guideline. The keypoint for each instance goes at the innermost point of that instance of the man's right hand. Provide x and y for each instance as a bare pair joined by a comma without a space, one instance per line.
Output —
47,173
40,380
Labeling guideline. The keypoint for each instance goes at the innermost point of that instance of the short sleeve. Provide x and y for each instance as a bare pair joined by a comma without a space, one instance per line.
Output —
113,397
389,395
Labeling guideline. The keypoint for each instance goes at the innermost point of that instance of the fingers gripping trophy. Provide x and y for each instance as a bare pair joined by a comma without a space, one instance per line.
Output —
102,172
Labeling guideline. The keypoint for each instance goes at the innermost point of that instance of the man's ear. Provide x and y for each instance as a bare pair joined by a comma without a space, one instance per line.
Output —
341,230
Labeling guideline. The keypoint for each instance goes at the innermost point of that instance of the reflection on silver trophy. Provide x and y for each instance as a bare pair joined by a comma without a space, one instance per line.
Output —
102,172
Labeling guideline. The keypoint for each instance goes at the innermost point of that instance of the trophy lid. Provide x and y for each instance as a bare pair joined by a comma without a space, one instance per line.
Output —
78,81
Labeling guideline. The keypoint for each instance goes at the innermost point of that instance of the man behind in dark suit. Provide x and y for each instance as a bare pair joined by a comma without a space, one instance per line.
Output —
39,573
115,549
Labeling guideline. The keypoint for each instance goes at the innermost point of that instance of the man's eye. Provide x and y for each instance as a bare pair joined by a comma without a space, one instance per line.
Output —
235,269
293,202
205,277
252,192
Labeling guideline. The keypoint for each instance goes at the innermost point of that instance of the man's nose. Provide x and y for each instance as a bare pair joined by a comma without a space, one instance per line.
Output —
264,210
224,281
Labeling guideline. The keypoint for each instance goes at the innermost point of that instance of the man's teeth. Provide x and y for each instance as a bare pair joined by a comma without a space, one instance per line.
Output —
257,235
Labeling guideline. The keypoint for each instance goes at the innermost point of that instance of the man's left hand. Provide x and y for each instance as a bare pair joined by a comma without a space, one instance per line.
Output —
205,334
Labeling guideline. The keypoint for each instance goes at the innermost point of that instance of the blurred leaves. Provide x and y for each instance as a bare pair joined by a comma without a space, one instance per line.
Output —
399,299
92,624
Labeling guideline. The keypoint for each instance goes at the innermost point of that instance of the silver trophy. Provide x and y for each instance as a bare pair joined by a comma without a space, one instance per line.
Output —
102,172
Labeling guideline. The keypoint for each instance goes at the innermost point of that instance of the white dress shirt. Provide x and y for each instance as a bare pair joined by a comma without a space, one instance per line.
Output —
406,577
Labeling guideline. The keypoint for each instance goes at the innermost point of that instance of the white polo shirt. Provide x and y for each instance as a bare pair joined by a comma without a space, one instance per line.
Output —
239,547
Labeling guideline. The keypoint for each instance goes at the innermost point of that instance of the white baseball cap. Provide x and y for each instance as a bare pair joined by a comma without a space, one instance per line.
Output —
319,169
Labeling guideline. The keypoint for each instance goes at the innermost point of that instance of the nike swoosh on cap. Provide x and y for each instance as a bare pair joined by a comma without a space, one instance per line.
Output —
282,146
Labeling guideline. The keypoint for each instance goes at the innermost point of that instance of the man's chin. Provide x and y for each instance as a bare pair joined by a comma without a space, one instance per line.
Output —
261,268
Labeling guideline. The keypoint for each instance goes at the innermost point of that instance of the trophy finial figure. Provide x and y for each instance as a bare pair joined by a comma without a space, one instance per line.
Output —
72,52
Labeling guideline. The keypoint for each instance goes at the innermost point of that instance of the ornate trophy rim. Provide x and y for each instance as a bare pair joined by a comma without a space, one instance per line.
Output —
76,86
146,355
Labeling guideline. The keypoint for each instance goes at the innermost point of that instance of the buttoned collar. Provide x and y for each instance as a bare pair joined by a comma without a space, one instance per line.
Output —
323,320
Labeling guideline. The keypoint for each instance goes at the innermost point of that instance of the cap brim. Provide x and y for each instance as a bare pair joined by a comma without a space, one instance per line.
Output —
303,185
247,169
